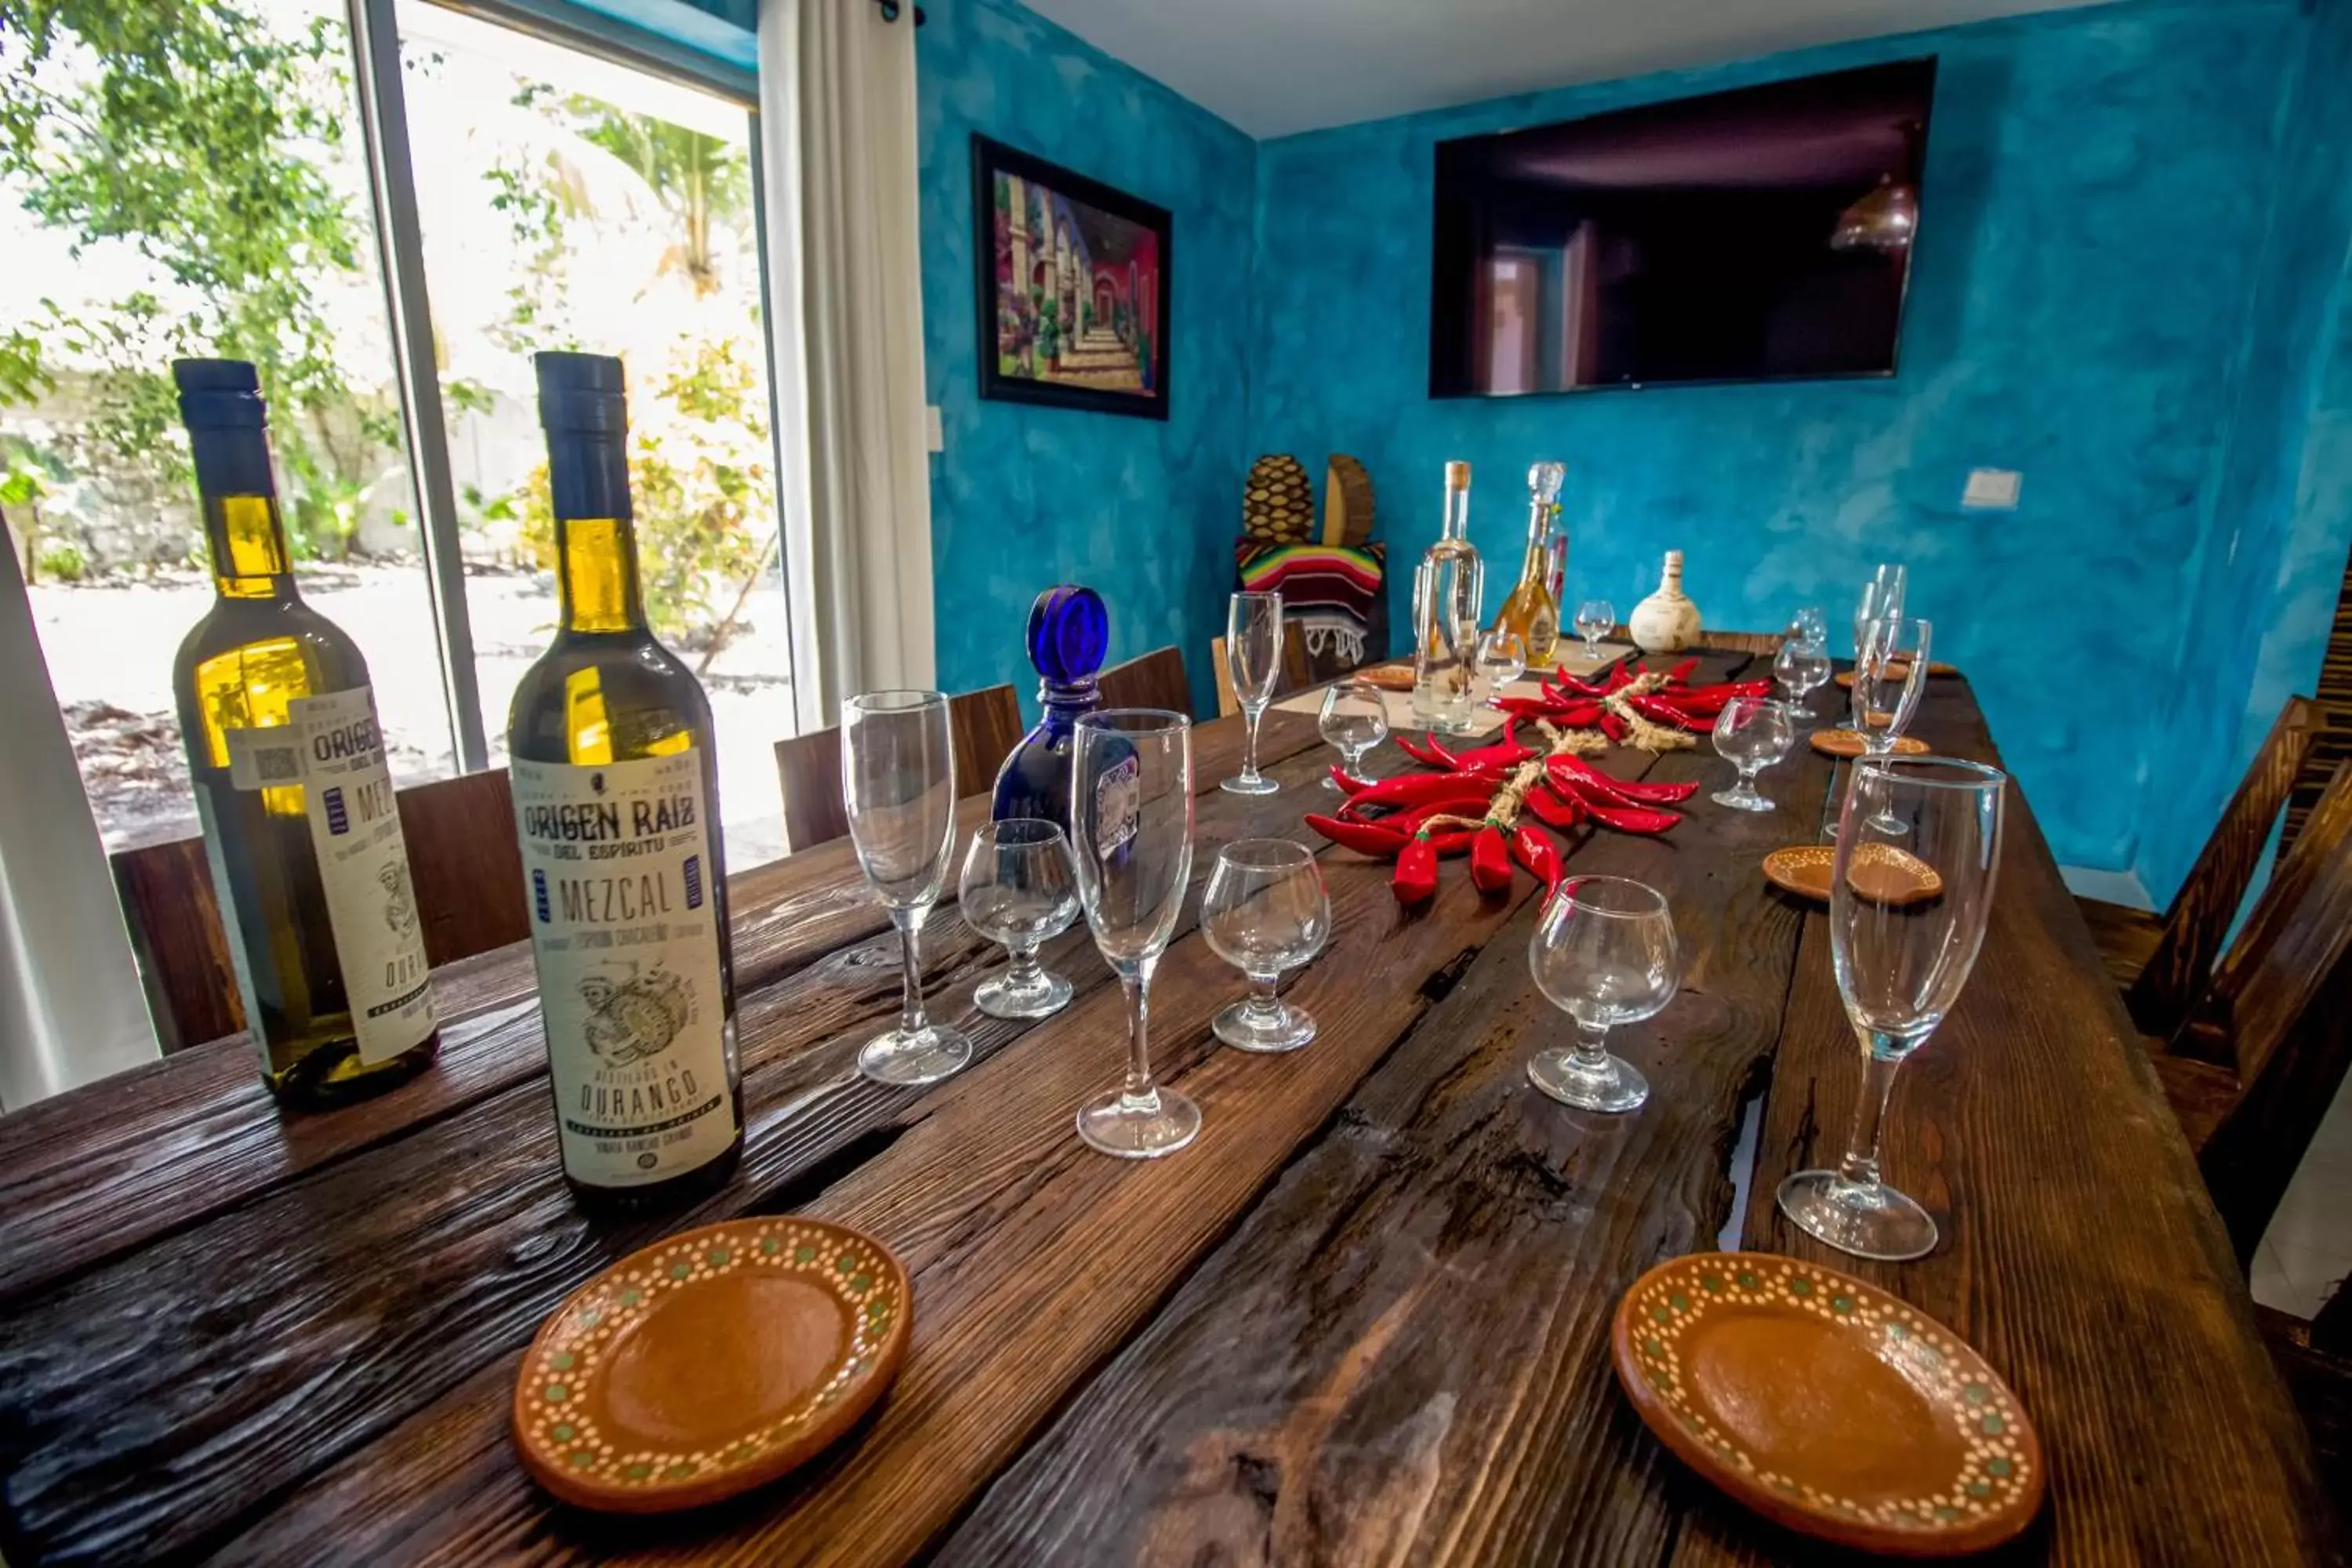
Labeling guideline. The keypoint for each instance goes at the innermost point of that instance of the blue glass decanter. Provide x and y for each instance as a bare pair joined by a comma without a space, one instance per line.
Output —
1068,633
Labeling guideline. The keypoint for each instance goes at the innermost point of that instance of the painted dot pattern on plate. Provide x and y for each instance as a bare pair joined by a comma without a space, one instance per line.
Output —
856,1271
1996,1466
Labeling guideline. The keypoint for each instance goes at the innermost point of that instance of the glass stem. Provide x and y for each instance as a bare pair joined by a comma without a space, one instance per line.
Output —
910,1007
1591,1046
1026,973
1859,1165
1249,755
1263,1002
1138,987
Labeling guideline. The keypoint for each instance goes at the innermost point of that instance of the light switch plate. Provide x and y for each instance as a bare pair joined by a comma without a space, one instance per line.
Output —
1992,489
935,436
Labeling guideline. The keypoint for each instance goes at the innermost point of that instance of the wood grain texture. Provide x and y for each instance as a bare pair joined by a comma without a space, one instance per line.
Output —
364,1291
983,725
1401,1354
1154,679
2080,1253
176,937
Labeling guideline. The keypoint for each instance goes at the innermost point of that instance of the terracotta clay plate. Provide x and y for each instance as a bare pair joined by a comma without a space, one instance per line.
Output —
1388,677
709,1363
1935,666
1881,873
1846,743
1827,1406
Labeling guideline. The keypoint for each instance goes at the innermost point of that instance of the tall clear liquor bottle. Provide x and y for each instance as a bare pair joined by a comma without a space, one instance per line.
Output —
616,805
300,829
1448,590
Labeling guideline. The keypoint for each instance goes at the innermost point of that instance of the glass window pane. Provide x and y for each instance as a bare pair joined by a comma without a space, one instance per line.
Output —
199,189
572,203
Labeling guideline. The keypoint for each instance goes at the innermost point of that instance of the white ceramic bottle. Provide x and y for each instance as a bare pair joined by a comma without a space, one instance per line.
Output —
1665,622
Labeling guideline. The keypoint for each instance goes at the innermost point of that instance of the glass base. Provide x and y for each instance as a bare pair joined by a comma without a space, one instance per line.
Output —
1872,1221
1886,825
926,1055
1001,998
1248,784
1740,799
1281,1027
1613,1085
1333,785
1139,1127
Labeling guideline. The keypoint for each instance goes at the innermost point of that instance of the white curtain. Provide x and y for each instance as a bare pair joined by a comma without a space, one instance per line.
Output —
837,136
70,1007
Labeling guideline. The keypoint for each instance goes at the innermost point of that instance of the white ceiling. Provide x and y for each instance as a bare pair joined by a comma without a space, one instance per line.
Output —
1273,67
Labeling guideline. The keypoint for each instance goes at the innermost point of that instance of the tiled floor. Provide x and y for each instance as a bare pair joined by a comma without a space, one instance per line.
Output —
2309,1245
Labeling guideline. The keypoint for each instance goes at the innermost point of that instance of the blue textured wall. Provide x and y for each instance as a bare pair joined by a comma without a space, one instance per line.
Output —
2096,183
1024,498
2283,509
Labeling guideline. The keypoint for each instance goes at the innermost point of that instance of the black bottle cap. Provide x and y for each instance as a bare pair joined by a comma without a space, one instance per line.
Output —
219,395
582,394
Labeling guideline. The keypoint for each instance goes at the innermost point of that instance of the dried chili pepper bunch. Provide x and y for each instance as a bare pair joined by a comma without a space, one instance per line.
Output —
1482,803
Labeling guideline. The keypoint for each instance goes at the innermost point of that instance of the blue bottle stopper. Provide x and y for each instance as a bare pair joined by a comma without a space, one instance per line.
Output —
1069,632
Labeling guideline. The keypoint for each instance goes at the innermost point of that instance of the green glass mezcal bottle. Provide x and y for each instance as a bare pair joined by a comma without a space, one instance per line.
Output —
616,805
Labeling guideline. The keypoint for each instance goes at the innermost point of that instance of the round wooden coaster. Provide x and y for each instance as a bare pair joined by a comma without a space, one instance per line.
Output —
709,1363
1846,743
1827,1405
1881,873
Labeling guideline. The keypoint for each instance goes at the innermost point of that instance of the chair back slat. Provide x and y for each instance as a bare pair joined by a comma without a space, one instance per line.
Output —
1298,671
2182,968
1155,680
986,725
464,869
2283,995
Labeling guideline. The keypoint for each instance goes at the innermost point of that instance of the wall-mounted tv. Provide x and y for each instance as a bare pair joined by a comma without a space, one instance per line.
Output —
1755,235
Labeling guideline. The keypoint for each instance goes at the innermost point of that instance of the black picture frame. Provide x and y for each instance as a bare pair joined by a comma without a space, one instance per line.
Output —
990,159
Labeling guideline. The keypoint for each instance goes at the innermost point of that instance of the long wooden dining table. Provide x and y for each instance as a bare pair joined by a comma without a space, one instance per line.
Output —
1363,1320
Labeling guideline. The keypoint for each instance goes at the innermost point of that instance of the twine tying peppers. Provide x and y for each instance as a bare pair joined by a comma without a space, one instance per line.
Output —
1476,803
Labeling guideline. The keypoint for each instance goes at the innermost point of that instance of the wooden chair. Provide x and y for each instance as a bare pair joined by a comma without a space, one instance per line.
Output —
1298,671
985,725
2278,1017
2163,966
1155,680
463,864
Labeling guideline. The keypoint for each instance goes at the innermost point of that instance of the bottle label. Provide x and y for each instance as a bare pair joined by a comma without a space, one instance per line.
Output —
1119,796
615,862
331,747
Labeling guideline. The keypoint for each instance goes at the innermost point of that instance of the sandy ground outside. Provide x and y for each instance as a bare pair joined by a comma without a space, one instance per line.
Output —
110,648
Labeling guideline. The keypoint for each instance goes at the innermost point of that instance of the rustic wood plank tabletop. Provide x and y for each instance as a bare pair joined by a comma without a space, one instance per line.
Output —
1364,1320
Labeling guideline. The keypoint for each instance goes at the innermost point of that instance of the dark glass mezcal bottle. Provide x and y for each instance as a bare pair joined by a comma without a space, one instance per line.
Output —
309,864
1068,633
617,806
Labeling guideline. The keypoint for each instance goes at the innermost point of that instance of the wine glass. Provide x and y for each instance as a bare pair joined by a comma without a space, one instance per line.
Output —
1354,717
1265,911
1801,667
1810,624
898,767
1604,954
1020,888
1594,617
1751,733
1254,660
1502,659
1131,830
1900,964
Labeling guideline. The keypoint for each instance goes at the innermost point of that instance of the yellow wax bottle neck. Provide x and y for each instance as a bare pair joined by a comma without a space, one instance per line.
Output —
598,572
248,548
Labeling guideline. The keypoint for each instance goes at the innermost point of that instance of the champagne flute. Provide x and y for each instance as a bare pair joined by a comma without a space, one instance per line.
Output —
1594,617
1900,967
898,767
1354,717
1020,888
1751,733
1265,911
1603,953
1890,672
1254,661
1131,830
1801,667
1882,599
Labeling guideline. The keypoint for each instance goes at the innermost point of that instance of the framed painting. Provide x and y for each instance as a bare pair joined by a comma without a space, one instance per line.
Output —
1073,278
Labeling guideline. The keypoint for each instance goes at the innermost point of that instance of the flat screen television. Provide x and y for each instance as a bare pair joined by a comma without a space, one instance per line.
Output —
1757,235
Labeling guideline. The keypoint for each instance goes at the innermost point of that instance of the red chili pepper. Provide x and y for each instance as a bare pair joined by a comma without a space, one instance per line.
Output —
1634,818
1555,811
1639,791
1680,674
1413,821
1614,727
1490,860
1412,789
1349,783
1415,878
1454,842
1539,855
1658,710
1370,837
1508,754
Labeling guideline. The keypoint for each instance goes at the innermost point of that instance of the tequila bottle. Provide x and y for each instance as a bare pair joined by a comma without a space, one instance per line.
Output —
1068,633
1448,594
1533,608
